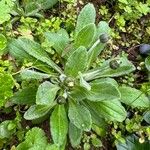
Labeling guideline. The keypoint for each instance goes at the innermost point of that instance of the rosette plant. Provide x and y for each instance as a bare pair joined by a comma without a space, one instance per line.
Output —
73,94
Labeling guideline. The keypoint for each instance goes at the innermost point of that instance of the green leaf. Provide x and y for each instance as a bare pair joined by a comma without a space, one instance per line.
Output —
27,74
84,84
3,43
132,143
147,117
97,118
79,116
125,67
86,36
79,93
103,28
123,1
35,139
76,62
110,110
147,63
94,51
134,97
86,16
59,125
103,90
34,6
59,40
18,52
46,93
25,96
97,142
31,49
4,132
7,83
46,4
5,10
37,111
75,135
55,147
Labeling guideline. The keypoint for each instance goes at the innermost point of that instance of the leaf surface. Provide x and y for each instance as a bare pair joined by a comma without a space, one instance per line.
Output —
6,86
105,70
76,62
46,93
147,63
86,36
36,111
27,74
59,40
87,15
80,116
75,135
103,90
110,110
134,97
25,96
59,125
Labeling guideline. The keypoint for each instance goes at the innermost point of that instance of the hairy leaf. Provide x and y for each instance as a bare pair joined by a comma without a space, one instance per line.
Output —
125,67
59,125
27,74
58,40
46,93
86,16
76,62
30,49
86,36
110,110
79,116
94,51
103,90
75,135
134,97
37,111
25,96
103,28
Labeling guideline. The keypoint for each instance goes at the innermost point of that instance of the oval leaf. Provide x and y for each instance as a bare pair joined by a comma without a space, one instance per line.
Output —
111,110
31,49
36,111
86,36
27,74
80,116
103,90
58,40
25,96
76,62
105,70
134,97
46,93
75,135
59,125
86,16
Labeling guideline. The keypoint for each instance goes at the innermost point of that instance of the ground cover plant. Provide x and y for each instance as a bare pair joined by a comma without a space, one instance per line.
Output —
61,87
